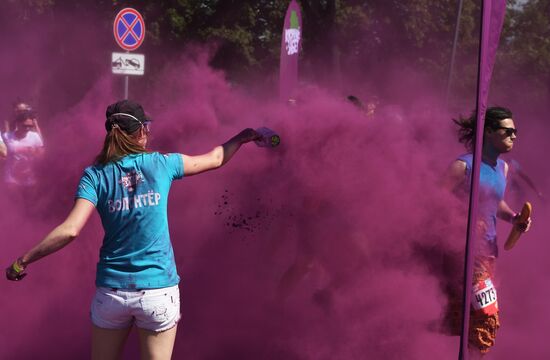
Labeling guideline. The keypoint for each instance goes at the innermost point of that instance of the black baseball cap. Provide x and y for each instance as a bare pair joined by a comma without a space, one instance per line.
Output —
127,114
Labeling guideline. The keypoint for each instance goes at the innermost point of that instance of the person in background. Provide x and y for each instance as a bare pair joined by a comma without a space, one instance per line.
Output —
24,149
369,109
3,149
357,103
19,108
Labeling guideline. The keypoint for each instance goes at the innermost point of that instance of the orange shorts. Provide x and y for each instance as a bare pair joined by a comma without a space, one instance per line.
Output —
484,319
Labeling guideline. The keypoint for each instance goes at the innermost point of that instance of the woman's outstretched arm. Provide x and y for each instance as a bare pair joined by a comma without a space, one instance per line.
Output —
63,234
219,156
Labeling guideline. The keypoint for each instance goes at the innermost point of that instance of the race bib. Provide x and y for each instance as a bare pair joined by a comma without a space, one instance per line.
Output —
484,297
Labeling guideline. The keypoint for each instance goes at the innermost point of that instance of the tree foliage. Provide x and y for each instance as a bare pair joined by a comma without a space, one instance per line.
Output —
357,33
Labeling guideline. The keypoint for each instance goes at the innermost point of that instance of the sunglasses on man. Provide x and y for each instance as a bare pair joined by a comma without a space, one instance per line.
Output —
507,130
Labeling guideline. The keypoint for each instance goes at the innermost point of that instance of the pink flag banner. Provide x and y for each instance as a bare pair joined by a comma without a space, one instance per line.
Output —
493,12
291,44
493,18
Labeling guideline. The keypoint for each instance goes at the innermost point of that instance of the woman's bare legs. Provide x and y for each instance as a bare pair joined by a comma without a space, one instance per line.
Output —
107,344
157,345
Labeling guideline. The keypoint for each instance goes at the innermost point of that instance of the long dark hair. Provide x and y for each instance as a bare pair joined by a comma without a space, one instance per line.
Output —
467,126
118,144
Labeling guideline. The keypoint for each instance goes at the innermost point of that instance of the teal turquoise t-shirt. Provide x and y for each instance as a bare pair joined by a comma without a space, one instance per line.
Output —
131,196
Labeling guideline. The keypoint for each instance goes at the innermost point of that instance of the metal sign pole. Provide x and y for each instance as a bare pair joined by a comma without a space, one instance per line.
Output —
129,33
126,87
126,84
453,53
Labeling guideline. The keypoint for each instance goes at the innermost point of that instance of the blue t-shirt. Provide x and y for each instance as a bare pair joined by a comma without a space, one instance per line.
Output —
131,196
492,184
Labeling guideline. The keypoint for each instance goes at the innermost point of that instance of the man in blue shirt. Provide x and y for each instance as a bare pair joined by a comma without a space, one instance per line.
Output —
498,138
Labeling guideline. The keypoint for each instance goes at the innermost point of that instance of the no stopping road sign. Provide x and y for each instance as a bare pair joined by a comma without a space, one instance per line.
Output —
129,29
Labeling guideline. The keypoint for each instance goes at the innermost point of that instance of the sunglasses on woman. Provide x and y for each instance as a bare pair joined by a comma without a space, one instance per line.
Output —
147,126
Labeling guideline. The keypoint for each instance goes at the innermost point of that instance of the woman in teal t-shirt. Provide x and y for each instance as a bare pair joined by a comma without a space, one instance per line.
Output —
136,279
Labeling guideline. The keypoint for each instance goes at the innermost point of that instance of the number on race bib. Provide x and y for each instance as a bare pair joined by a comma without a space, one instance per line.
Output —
484,297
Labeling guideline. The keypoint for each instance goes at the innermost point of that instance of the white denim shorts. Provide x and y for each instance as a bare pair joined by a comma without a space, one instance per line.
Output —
150,309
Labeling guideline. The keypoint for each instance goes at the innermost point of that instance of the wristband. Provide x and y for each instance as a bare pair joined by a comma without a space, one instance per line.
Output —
18,269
